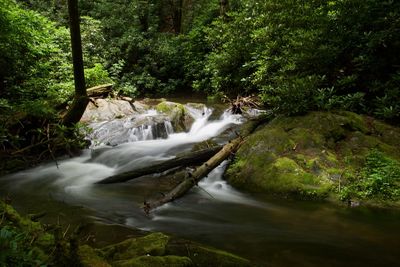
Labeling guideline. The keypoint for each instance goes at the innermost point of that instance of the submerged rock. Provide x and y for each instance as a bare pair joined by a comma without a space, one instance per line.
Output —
158,249
29,242
309,156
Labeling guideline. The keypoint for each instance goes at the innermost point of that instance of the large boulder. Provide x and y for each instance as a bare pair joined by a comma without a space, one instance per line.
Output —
107,109
310,156
158,249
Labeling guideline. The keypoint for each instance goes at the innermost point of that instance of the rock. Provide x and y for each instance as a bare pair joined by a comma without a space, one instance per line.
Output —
157,249
107,109
152,250
180,117
307,156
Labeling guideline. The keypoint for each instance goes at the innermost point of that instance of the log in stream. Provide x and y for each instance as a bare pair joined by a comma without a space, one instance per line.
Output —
191,158
192,178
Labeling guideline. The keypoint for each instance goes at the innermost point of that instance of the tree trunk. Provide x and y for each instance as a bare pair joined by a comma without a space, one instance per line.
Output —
223,8
103,90
193,178
81,99
193,158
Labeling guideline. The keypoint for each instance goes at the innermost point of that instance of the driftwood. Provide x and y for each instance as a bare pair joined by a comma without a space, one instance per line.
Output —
100,91
192,158
192,178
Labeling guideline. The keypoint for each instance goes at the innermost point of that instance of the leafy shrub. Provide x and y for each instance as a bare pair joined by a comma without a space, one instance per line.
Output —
378,179
15,250
96,75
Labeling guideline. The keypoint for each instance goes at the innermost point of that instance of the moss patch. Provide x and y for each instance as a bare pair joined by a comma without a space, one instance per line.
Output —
155,261
179,116
152,244
27,242
308,156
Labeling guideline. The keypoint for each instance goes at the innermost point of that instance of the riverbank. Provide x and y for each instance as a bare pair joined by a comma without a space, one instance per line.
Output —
25,241
339,156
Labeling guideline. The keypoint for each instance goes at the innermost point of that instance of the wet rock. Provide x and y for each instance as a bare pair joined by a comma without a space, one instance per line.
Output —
157,249
177,113
153,250
107,109
307,156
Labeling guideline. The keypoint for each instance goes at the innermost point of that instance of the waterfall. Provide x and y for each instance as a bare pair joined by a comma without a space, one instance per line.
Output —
137,147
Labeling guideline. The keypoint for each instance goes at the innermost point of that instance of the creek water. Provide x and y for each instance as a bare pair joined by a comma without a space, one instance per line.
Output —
269,231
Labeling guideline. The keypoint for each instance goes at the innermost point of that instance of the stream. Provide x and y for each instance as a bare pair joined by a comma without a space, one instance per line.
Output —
271,232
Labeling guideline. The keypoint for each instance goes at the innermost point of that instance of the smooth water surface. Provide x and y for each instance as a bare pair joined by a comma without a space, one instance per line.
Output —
267,231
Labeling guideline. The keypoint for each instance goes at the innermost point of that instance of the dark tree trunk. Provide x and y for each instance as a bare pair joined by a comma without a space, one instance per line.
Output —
188,159
81,99
223,7
177,16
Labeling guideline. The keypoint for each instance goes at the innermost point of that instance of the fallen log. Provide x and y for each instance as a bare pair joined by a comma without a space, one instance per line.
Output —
100,91
192,158
192,178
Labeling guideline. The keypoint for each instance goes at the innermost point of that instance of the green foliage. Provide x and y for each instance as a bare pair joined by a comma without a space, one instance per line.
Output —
96,75
15,250
378,179
297,55
291,51
34,58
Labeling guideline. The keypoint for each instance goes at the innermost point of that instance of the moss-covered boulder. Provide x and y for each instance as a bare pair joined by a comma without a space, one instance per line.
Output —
157,249
180,117
25,241
310,156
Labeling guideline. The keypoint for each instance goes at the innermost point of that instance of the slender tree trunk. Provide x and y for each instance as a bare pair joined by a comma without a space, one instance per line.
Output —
223,8
177,16
81,99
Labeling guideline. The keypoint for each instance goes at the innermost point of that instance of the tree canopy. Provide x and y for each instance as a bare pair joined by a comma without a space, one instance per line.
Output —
295,55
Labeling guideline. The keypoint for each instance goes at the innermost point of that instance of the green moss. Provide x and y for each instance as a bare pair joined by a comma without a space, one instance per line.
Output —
306,138
387,134
204,145
45,240
354,122
268,139
205,256
89,257
155,261
177,113
307,155
152,244
156,249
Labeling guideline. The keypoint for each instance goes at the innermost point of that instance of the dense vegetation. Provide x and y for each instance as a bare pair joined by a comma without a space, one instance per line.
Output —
296,55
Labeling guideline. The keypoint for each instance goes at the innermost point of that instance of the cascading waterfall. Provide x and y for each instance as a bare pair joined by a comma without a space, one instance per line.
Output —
213,212
142,147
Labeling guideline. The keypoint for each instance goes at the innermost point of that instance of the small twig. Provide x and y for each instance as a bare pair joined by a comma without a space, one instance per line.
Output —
66,231
29,147
208,193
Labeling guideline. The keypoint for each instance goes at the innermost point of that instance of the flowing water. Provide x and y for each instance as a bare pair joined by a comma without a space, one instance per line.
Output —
271,232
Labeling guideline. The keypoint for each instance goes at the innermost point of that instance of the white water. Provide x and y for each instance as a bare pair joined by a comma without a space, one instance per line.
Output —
287,233
74,178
